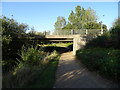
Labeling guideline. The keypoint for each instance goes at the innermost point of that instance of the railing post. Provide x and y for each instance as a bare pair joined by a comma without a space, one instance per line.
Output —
101,31
73,32
45,33
86,31
101,28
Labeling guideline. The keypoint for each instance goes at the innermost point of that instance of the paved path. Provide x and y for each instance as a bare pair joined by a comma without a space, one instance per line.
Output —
72,74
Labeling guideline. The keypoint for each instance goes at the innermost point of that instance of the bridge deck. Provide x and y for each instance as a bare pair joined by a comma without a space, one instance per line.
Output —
61,36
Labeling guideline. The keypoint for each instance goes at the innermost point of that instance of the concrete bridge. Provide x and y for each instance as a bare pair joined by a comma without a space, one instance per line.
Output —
78,40
78,37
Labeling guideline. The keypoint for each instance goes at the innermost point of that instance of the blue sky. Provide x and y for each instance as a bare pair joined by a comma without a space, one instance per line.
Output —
42,15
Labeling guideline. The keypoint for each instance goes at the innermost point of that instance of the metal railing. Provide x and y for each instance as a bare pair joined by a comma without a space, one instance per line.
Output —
78,31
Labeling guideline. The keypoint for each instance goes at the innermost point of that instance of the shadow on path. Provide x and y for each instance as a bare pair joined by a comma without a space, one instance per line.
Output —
72,74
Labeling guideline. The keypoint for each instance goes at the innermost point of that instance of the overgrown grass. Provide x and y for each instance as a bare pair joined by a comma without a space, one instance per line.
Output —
105,61
47,78
32,67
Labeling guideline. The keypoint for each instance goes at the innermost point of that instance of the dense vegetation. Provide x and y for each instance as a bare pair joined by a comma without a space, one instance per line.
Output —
26,65
13,38
80,19
23,63
110,39
105,61
102,54
30,69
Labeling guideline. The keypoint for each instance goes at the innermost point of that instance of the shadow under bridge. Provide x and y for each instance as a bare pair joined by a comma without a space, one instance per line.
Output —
78,40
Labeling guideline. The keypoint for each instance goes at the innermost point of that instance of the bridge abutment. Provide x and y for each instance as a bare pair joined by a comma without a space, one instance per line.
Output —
78,43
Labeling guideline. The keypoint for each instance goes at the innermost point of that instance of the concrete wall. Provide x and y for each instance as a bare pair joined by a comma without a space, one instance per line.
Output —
78,40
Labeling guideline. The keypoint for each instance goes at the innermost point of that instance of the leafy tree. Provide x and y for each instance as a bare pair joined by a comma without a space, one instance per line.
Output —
68,26
94,25
81,16
110,39
13,38
33,33
90,15
116,22
60,23
13,28
80,19
115,36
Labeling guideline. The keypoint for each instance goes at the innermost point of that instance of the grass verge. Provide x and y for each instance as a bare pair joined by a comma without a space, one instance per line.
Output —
47,78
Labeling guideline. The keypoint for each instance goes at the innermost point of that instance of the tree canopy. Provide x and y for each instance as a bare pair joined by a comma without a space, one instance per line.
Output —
116,22
81,18
60,23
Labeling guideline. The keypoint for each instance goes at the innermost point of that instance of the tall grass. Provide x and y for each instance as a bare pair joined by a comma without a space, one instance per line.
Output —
31,66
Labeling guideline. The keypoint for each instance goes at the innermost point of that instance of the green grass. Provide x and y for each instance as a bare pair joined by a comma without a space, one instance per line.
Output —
57,44
47,78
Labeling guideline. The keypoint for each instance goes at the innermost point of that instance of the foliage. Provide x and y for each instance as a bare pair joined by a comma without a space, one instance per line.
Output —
32,33
94,25
60,44
13,28
33,63
81,16
115,36
60,23
12,33
47,78
32,56
103,41
77,19
116,22
110,39
105,61
80,19
102,54
13,37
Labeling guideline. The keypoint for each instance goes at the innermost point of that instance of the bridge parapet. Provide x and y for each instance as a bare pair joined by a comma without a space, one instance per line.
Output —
77,31
61,36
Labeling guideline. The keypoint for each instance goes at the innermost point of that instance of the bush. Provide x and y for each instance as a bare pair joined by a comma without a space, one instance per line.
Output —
109,39
32,56
101,41
33,63
105,61
115,35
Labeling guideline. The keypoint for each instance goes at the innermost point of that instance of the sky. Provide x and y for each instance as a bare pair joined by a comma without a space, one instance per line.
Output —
59,0
43,15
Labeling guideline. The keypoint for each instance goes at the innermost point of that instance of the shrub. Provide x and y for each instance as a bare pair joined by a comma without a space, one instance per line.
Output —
115,35
105,61
101,41
109,39
33,63
32,56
